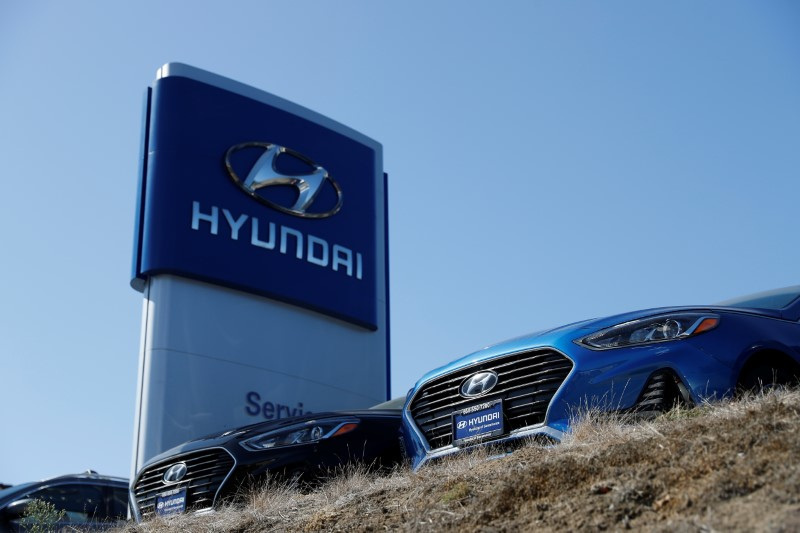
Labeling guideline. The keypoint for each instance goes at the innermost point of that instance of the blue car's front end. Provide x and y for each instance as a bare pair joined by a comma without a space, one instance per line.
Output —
535,385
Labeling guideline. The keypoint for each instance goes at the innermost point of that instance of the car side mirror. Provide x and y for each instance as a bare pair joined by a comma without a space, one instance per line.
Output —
16,510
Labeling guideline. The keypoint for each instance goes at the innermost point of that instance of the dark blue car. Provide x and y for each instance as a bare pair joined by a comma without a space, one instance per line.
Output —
84,502
643,362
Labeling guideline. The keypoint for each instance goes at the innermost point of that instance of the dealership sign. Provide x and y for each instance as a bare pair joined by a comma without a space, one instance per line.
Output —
267,198
261,252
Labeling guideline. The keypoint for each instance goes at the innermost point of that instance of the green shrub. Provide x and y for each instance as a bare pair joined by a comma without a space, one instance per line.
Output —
42,516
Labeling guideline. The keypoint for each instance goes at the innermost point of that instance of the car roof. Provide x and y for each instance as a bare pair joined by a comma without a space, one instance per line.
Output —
88,477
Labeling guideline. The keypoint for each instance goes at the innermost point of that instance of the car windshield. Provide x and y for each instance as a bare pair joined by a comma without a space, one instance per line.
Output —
395,403
774,299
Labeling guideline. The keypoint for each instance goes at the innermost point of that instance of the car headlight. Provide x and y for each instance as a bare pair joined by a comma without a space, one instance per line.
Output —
651,329
304,433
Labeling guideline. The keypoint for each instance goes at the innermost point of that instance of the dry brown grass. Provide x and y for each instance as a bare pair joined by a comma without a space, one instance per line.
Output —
728,466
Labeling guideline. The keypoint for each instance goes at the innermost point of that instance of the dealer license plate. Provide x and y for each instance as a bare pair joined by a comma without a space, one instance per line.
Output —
478,422
171,502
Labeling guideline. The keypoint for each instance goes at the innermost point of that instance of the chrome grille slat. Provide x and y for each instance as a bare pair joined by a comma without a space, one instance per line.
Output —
425,403
465,402
206,470
443,388
527,382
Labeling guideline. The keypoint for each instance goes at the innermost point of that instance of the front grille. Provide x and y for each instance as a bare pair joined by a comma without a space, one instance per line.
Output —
527,382
205,472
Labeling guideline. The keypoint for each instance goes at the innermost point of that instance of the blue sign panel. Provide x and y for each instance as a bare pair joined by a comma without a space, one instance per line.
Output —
246,190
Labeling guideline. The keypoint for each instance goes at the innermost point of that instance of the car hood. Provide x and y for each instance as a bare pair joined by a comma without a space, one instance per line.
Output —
241,433
555,336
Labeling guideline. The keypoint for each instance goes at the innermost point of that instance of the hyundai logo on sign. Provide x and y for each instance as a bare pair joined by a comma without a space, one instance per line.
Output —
208,141
175,473
265,173
478,384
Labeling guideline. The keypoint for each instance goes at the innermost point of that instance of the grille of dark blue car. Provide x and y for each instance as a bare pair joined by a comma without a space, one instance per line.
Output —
205,472
527,382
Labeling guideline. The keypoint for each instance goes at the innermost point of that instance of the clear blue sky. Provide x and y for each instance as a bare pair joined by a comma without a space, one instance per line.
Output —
548,162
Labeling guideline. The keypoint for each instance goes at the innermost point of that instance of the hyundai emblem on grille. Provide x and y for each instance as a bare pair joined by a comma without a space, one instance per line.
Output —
478,384
175,473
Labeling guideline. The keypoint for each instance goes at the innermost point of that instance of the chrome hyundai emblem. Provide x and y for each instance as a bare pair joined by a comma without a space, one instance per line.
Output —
175,473
478,384
264,173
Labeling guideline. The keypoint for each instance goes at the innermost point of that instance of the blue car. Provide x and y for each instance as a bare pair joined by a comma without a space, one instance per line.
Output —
644,362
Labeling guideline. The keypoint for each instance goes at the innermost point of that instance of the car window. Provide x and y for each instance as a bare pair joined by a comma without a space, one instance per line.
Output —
81,503
774,299
395,403
119,503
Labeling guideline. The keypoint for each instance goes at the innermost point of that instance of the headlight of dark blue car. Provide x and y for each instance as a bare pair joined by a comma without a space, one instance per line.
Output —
307,432
651,329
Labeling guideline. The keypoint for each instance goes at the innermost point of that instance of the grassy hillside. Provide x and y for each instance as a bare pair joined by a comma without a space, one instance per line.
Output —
729,466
